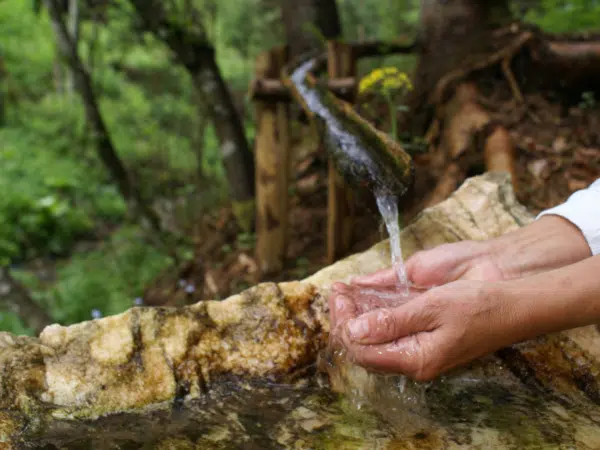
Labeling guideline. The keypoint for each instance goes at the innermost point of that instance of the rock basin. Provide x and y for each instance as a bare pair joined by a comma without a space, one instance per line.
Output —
242,373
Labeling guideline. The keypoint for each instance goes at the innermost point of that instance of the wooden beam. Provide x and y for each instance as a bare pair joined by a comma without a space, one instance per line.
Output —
272,89
272,160
340,208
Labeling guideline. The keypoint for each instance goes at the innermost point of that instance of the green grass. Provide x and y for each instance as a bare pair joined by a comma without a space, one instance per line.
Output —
105,281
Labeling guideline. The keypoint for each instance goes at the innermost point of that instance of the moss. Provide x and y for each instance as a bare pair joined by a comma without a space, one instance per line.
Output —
364,155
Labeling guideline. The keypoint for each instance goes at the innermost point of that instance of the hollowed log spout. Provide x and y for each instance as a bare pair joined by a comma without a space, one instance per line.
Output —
363,155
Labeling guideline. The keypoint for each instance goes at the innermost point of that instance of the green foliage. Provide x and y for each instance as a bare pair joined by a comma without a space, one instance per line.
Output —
55,191
27,47
88,283
588,100
561,16
12,323
379,19
50,198
87,286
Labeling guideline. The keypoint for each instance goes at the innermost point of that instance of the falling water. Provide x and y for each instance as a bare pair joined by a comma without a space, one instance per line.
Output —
388,207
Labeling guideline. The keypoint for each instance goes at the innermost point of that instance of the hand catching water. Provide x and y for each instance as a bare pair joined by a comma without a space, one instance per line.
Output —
483,296
428,334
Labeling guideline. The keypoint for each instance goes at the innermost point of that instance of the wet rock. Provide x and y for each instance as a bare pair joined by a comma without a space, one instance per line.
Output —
237,373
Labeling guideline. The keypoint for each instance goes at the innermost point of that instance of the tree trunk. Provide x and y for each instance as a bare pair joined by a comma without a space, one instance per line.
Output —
74,32
15,297
235,153
3,92
449,32
190,45
305,20
104,145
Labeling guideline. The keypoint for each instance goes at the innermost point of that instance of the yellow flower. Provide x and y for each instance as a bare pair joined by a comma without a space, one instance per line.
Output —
386,79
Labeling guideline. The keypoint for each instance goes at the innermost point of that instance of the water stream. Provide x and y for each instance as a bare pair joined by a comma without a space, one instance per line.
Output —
388,208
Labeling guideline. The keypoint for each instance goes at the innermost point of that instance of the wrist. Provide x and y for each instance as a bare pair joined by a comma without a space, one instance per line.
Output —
556,300
548,243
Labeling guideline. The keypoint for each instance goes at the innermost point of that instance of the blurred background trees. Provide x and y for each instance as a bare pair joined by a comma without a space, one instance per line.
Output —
116,114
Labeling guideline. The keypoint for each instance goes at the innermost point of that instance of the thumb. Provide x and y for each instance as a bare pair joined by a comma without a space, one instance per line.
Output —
390,324
433,267
382,278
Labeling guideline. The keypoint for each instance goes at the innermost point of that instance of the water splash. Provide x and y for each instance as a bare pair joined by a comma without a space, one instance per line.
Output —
388,208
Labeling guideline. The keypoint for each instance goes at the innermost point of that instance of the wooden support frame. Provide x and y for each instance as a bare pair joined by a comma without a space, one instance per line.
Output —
341,63
272,161
270,89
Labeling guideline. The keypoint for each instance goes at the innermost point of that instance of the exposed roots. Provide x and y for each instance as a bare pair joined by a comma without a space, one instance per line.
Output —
467,137
503,56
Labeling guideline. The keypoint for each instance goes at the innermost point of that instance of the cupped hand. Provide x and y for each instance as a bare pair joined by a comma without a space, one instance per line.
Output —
465,260
431,333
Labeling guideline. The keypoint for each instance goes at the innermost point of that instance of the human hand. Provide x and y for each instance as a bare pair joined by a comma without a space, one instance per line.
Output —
430,333
466,260
546,244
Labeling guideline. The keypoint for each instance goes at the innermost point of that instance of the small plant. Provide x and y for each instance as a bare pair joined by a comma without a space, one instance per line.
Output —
588,100
392,85
246,241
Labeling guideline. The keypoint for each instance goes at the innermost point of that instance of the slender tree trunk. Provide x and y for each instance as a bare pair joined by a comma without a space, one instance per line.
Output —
237,158
197,55
305,20
106,151
449,32
15,297
74,32
3,92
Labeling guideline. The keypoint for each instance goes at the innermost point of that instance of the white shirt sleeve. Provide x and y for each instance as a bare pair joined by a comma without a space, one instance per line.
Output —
583,210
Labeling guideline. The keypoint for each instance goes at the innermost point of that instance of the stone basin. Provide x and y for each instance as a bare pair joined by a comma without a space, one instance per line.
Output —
244,372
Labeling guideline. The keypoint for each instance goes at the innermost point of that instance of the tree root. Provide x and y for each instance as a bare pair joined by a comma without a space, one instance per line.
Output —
464,133
467,136
503,56
572,62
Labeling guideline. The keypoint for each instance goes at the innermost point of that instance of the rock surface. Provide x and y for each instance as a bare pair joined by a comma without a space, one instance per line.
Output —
231,374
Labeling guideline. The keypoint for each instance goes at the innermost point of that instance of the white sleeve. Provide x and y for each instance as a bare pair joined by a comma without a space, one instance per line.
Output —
583,210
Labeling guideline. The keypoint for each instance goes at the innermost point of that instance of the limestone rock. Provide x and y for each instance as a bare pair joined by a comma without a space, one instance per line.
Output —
231,374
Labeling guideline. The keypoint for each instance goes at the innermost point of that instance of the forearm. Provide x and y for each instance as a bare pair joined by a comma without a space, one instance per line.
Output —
552,301
546,244
560,236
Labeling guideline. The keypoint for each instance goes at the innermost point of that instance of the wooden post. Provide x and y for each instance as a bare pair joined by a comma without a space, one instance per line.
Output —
272,156
340,207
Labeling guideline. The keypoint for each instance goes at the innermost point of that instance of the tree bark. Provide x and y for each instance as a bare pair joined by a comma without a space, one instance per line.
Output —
15,297
450,31
3,92
105,148
74,32
304,20
193,50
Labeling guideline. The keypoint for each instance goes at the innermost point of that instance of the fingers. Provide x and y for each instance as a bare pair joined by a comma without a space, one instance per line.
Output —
390,324
404,356
336,290
341,309
383,278
437,266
